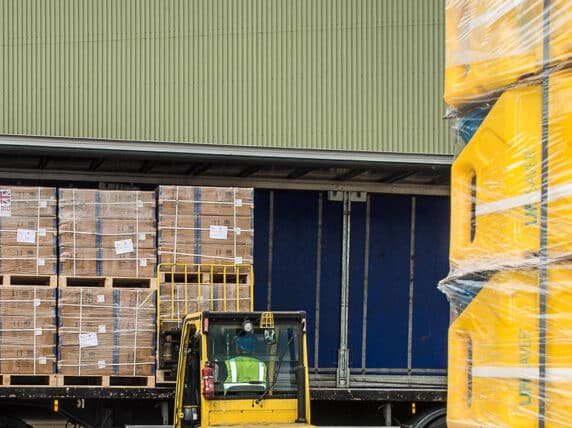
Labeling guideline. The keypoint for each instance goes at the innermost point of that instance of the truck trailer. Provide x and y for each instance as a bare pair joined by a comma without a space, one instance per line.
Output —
364,268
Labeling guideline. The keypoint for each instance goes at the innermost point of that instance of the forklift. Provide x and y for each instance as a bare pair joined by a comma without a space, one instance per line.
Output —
242,368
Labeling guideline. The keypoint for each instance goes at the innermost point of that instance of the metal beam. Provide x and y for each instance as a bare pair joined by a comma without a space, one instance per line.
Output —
375,394
193,150
95,164
249,170
299,172
146,167
350,174
35,175
197,169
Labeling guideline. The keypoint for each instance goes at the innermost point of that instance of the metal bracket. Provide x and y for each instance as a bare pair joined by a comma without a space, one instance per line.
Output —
338,196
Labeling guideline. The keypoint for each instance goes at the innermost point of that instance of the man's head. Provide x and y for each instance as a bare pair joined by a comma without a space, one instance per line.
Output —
245,343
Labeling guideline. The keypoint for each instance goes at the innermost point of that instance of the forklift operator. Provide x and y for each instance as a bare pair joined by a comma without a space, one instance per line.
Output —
244,371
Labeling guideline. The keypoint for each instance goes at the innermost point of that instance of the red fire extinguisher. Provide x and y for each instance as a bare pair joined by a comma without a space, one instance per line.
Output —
208,382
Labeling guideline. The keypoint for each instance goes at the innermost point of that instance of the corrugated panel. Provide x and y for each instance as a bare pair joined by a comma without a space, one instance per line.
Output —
303,272
322,74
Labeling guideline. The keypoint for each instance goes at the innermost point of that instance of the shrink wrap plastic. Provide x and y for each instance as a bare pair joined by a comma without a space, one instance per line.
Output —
510,278
206,225
107,233
28,228
107,331
492,45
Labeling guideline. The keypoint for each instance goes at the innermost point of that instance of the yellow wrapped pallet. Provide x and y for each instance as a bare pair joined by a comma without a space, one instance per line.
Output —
498,371
492,44
495,196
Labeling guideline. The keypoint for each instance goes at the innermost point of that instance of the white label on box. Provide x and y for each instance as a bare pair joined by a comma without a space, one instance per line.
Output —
5,203
142,237
37,302
41,232
218,232
38,331
139,203
143,262
42,360
238,202
237,230
101,328
238,260
124,246
41,262
88,339
100,298
43,204
26,236
101,364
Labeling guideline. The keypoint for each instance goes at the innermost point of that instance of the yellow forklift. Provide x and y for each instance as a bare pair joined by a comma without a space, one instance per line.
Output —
242,368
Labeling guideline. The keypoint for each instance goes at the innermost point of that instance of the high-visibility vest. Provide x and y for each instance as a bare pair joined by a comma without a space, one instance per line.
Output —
243,370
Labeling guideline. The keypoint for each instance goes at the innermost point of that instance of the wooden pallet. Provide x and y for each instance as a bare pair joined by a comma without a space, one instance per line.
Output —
106,381
106,282
13,380
13,280
164,377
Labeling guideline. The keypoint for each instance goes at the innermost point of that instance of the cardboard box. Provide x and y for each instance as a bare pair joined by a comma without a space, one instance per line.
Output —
17,201
107,233
28,333
106,262
111,204
206,253
175,303
107,331
205,225
28,230
189,200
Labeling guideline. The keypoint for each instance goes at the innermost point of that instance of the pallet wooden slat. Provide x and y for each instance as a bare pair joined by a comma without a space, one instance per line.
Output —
106,381
16,280
17,380
105,282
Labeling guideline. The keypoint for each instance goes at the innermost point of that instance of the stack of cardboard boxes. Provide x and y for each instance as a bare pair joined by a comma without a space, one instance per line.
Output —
28,248
28,228
106,331
205,248
101,243
107,233
205,225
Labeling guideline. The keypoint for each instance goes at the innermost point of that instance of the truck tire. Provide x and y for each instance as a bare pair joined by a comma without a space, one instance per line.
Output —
9,422
439,423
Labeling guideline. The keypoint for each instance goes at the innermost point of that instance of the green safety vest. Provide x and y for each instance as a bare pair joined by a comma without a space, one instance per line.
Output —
243,370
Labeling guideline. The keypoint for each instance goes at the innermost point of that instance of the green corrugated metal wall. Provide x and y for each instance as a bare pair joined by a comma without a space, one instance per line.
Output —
321,74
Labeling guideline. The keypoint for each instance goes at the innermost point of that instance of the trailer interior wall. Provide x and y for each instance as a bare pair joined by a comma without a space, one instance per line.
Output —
397,325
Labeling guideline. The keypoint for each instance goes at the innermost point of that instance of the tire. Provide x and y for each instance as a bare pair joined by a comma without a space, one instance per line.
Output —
439,423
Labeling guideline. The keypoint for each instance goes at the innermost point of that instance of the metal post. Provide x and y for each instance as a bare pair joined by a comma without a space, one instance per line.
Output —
387,414
543,256
342,375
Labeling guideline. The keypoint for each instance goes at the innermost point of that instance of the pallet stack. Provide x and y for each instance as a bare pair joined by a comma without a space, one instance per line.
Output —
205,253
205,225
28,268
28,228
107,233
106,331
106,287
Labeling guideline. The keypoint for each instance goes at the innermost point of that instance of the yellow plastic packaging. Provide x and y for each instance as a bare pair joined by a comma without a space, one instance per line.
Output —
496,182
495,375
492,44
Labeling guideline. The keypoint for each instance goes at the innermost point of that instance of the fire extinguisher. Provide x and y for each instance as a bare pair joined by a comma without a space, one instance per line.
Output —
208,382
